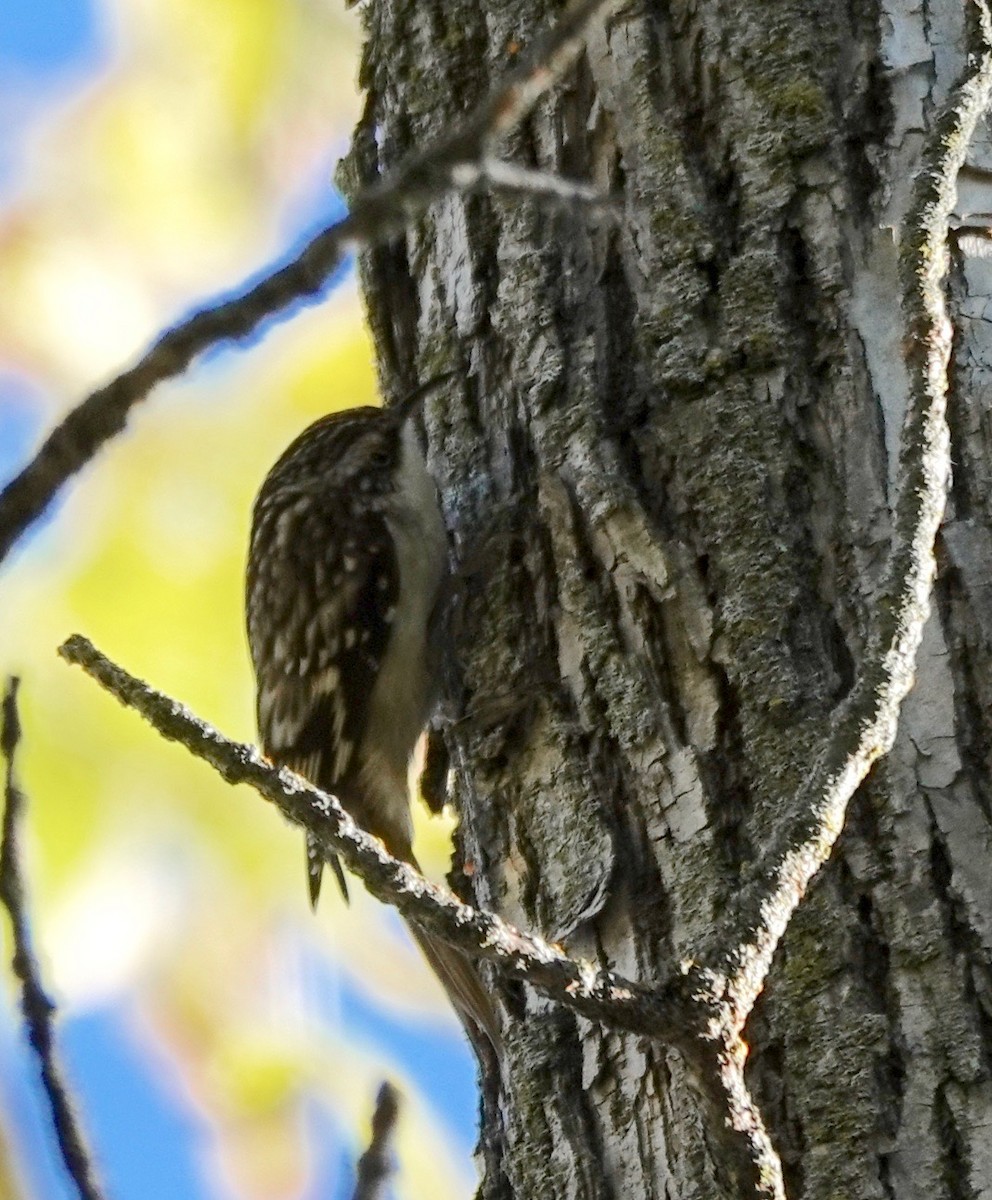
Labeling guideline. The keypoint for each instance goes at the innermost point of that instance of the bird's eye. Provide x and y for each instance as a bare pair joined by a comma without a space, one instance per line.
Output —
381,457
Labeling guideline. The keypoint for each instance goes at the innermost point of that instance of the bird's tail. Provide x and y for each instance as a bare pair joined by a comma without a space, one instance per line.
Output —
457,972
315,871
460,978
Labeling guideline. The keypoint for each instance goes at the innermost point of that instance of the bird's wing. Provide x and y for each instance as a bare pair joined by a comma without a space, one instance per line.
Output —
319,621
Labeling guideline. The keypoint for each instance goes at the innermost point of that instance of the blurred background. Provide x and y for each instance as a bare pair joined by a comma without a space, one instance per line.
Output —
222,1042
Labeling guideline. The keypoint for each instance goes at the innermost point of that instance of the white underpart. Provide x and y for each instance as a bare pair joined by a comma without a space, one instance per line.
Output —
400,701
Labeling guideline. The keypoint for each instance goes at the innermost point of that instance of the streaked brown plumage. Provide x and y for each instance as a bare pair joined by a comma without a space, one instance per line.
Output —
346,564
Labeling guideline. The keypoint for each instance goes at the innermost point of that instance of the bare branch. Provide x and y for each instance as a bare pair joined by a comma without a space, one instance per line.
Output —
37,1008
682,1009
379,212
864,727
507,179
661,1010
376,1164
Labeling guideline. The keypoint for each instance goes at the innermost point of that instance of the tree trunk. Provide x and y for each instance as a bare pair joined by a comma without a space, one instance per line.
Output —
666,469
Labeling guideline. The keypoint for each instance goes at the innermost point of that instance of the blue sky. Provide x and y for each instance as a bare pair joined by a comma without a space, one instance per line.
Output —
45,47
44,37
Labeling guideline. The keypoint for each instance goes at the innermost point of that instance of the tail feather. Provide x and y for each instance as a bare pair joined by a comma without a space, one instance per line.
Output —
457,973
460,978
315,872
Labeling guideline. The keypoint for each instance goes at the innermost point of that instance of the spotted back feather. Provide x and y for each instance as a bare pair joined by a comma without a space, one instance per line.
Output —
321,594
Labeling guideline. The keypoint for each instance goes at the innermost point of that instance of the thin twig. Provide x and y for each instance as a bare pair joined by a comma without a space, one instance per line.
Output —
376,1165
37,1008
378,213
680,1008
660,1010
507,179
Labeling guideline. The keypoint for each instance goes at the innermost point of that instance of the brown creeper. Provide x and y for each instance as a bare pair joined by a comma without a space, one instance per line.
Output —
346,566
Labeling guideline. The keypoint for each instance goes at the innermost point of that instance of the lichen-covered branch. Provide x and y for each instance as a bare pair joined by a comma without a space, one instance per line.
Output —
864,727
682,1010
376,1165
507,179
35,1004
659,1010
736,963
378,213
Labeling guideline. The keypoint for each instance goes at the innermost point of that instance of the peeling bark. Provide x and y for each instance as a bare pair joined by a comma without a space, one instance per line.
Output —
667,474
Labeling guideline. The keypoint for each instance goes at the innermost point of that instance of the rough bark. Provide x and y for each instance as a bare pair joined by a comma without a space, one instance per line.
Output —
666,471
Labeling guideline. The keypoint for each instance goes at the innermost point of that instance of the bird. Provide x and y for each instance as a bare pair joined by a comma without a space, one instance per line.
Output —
346,574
